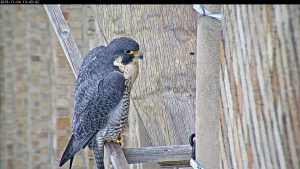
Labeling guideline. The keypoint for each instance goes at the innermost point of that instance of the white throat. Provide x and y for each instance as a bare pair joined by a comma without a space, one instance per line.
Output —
130,71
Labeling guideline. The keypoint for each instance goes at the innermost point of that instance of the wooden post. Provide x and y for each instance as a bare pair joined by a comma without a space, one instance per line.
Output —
260,66
64,36
208,90
73,55
117,156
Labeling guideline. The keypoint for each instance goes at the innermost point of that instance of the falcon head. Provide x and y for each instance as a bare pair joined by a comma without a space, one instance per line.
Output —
125,48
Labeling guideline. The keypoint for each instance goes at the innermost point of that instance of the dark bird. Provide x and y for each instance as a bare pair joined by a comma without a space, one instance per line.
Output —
102,97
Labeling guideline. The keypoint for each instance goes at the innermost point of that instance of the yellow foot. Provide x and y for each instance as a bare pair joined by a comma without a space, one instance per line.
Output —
118,139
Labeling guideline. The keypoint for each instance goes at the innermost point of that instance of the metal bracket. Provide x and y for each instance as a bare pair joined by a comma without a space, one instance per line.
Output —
194,164
204,12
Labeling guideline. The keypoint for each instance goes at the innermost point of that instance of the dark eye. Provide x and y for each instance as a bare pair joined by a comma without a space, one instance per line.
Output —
127,51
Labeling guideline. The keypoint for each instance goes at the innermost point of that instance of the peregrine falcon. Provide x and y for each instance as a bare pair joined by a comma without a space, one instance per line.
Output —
102,96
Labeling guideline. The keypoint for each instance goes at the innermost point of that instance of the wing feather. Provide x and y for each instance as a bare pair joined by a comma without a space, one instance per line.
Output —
99,89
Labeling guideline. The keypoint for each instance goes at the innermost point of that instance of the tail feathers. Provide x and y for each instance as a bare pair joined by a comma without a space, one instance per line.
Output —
73,147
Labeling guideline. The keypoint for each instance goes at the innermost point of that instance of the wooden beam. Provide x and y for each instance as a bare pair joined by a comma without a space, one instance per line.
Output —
64,36
158,154
71,50
208,90
117,156
175,164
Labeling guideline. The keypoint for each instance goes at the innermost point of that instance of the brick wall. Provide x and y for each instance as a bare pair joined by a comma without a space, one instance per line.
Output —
37,102
27,99
1,88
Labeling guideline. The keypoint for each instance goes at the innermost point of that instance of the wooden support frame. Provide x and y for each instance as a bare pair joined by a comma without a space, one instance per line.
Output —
176,155
208,94
158,154
64,36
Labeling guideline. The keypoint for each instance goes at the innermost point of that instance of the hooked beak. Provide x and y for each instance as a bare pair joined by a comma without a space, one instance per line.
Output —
139,54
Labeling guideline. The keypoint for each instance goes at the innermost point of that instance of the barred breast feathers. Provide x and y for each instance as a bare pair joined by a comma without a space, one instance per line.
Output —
119,116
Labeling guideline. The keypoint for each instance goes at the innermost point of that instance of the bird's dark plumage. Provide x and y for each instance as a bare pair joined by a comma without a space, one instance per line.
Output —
102,97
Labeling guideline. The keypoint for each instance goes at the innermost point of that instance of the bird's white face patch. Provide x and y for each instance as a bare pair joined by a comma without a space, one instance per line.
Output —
130,70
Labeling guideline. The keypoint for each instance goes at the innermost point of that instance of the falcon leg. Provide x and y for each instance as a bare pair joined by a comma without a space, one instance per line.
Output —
98,149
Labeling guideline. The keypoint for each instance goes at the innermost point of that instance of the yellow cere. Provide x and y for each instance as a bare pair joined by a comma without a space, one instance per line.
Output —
138,53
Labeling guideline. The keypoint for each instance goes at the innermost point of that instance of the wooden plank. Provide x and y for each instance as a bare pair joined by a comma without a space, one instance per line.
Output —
260,86
175,164
64,36
73,55
158,154
117,156
208,90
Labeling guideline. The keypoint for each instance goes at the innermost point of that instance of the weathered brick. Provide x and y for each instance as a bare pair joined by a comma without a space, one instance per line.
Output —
63,122
62,142
75,24
63,132
66,15
63,111
62,102
62,61
59,152
32,68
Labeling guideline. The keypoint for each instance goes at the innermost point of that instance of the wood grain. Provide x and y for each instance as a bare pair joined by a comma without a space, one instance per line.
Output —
158,154
64,36
260,82
117,156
